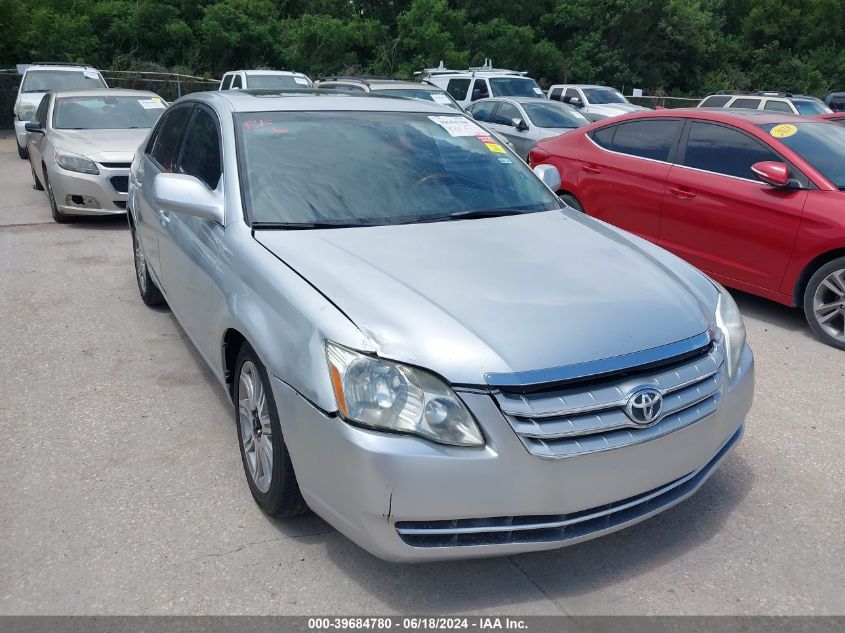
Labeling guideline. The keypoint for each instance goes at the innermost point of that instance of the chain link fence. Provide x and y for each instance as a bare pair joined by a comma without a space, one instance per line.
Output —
169,86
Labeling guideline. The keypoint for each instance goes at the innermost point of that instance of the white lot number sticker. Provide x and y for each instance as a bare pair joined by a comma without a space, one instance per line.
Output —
91,74
151,104
538,91
302,81
457,125
439,98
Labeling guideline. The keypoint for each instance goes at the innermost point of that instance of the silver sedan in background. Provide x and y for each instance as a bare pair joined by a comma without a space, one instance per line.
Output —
421,342
81,145
525,120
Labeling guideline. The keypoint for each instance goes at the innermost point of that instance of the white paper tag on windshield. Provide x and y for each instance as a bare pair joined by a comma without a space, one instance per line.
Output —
538,91
91,74
440,98
457,125
302,81
151,104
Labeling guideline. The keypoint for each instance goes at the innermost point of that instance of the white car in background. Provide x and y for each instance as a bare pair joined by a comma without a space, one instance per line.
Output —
40,78
594,102
265,80
481,82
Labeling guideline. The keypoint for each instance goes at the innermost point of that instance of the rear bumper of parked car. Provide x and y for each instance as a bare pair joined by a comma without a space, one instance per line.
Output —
405,499
20,132
90,194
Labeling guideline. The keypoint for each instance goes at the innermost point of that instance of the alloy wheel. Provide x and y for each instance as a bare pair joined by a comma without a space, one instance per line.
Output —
256,432
829,304
140,265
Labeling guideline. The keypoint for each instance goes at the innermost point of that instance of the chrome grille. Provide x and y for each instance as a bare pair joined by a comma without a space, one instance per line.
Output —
590,417
561,527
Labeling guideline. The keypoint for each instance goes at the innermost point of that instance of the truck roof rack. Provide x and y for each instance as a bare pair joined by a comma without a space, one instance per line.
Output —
487,67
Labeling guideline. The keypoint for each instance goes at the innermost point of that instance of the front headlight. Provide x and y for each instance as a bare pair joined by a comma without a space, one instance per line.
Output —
75,162
729,321
381,394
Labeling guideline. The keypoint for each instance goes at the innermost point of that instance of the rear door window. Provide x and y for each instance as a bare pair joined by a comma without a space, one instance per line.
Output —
716,101
166,142
748,104
652,139
483,111
724,150
777,106
556,94
458,88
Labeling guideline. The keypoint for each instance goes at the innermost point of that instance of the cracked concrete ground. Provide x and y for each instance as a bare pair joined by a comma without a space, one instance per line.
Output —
122,492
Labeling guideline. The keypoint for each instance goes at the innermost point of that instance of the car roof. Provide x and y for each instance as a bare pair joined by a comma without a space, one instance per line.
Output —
287,73
740,116
102,92
519,100
379,82
314,100
57,66
581,86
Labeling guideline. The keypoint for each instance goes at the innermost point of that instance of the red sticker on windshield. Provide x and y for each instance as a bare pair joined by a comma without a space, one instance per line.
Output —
254,123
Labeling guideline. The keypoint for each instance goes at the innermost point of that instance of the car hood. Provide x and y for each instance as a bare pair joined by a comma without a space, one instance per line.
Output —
106,146
614,109
501,295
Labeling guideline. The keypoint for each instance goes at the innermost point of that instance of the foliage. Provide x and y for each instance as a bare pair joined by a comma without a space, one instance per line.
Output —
666,46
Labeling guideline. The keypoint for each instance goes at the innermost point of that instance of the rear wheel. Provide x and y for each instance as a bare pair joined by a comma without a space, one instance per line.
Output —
23,153
824,303
266,460
572,201
36,184
150,294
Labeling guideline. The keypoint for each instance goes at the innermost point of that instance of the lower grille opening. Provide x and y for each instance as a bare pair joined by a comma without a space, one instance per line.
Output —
557,527
120,204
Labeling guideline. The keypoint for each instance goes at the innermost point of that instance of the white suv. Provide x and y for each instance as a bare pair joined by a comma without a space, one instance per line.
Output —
594,102
466,86
265,80
770,101
39,79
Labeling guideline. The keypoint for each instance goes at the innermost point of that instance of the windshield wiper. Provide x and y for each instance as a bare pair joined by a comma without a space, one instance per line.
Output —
485,213
303,225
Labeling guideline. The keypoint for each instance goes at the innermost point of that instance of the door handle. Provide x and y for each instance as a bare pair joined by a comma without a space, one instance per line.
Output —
591,169
164,217
683,194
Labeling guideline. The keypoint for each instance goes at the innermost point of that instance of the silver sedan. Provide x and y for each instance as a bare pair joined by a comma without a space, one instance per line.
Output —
525,120
81,145
420,342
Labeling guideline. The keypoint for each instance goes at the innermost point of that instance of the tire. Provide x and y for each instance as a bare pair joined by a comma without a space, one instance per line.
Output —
36,184
824,303
58,216
150,294
273,485
23,153
572,201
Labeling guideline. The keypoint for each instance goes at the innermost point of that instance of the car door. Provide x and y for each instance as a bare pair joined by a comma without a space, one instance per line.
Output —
717,216
622,173
159,157
36,142
190,245
501,122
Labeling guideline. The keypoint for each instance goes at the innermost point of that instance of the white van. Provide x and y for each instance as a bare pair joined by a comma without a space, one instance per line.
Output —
265,80
480,82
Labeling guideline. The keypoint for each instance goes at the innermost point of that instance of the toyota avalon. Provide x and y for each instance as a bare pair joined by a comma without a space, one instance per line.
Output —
422,344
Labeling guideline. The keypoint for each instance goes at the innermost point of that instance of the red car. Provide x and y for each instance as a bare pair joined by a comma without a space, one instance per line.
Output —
753,198
836,117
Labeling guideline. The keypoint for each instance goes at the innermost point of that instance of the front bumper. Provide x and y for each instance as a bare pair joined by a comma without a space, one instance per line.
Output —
452,502
20,132
90,194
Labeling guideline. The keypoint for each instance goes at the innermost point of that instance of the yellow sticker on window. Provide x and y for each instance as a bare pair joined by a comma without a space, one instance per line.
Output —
495,147
784,130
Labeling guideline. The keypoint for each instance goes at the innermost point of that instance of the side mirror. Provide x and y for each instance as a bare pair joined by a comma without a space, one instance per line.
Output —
519,124
34,127
186,194
575,101
549,175
772,173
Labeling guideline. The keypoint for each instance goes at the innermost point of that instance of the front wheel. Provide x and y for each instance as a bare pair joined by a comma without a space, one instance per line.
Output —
58,216
23,152
824,303
265,456
572,201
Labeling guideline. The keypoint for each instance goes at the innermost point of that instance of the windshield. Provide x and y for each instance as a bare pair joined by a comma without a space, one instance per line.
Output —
437,96
376,168
554,115
45,80
809,107
598,96
820,144
106,112
515,87
276,82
